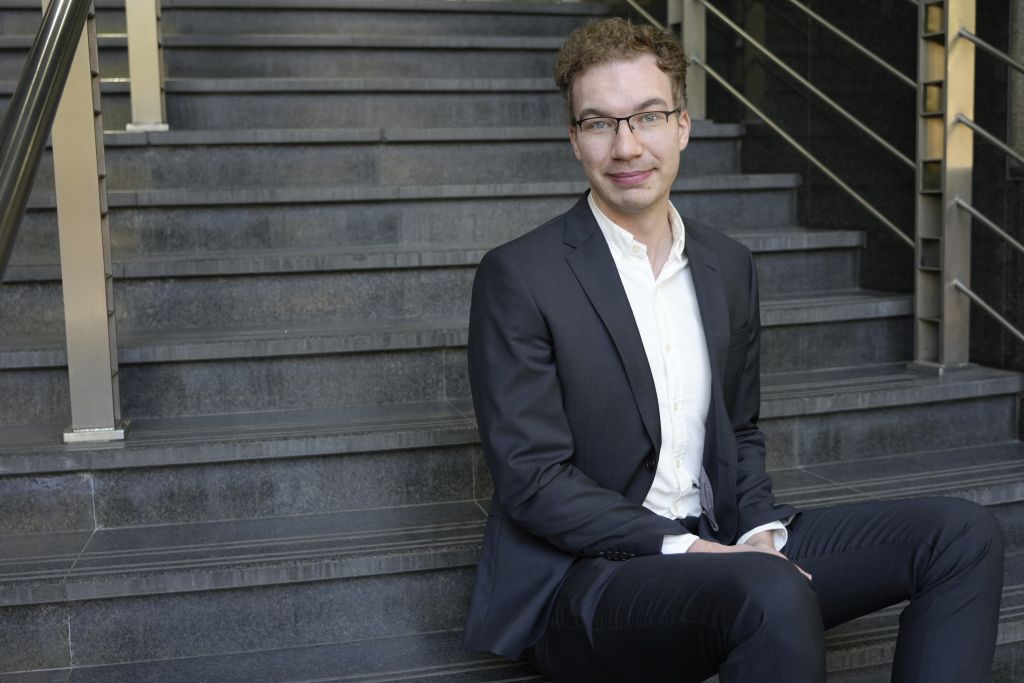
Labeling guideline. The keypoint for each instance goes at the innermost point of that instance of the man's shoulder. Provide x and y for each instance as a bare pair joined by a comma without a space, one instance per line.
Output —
727,249
543,241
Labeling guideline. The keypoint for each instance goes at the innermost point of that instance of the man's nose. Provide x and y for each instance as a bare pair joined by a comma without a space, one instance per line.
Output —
626,144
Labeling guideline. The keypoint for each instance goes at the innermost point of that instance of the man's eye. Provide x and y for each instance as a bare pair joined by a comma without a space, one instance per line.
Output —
599,124
650,117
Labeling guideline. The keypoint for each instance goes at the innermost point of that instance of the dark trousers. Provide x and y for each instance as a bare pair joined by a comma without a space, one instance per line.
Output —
752,618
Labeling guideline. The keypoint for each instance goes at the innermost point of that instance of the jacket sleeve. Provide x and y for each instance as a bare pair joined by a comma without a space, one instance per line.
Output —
525,432
755,500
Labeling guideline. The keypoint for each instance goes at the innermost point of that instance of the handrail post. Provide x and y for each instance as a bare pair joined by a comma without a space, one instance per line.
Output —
944,171
1016,85
145,65
686,19
79,178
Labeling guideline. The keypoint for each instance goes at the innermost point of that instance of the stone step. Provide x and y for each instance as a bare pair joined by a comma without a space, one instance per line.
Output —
433,657
164,591
232,104
360,17
276,287
769,247
294,287
351,56
250,160
384,17
112,54
210,368
195,221
22,17
320,56
869,411
782,318
202,457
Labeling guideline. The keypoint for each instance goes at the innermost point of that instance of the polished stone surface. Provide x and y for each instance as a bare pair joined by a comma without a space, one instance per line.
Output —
284,487
292,265
46,503
34,637
191,624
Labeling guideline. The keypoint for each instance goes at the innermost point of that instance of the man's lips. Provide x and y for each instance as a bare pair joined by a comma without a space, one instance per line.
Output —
630,177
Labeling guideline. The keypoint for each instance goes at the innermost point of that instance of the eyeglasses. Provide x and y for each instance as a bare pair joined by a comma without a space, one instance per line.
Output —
645,123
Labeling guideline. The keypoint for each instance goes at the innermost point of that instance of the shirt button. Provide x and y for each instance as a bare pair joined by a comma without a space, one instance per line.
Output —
675,407
635,249
668,347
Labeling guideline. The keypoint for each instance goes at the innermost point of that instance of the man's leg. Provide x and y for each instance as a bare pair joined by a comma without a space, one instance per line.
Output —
945,555
750,616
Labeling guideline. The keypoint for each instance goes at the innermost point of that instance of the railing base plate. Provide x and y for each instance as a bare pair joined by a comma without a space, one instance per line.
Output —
147,127
116,433
927,367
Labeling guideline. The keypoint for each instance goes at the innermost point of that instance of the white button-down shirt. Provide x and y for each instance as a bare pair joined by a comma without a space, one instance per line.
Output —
668,317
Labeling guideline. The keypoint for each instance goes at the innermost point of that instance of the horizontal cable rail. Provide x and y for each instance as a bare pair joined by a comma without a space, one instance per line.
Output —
842,35
786,136
992,50
807,84
1006,149
804,152
988,309
645,14
985,220
31,111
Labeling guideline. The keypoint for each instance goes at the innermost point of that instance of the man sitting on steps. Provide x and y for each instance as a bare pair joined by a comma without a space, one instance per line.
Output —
614,364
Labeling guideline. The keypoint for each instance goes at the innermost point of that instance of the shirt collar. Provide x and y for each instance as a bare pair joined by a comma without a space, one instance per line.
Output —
622,241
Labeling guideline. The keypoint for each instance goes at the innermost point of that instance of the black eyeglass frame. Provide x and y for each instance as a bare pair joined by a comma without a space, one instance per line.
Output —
579,122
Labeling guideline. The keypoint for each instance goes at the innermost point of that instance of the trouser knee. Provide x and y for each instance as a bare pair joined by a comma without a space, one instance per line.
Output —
777,600
974,532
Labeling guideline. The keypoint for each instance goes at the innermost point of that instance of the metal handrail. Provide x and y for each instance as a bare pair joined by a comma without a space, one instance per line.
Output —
821,166
989,223
988,309
1003,147
804,152
810,86
842,35
31,111
991,49
645,14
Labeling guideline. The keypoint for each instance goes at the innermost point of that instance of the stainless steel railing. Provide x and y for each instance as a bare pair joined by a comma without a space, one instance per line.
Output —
31,111
800,149
966,206
931,171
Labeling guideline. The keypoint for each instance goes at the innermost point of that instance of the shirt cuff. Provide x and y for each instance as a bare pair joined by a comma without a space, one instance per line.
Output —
677,544
779,534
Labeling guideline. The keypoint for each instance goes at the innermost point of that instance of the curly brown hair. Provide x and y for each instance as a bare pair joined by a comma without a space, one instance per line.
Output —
608,40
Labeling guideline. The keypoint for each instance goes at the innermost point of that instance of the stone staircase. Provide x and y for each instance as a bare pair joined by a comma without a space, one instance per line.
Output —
300,497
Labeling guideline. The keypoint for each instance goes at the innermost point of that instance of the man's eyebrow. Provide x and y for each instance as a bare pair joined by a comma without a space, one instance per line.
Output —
651,102
643,106
590,111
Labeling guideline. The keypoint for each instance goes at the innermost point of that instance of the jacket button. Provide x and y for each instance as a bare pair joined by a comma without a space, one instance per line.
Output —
651,464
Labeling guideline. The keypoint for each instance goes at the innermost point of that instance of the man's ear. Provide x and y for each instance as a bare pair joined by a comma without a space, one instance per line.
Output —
684,129
575,142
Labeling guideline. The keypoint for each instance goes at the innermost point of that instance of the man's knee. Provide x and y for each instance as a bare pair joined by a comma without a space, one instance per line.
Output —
971,528
771,594
965,540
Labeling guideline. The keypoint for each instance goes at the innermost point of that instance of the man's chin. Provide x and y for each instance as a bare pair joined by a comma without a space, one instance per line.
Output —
632,200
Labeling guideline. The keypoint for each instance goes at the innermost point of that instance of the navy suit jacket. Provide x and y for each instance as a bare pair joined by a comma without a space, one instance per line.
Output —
568,416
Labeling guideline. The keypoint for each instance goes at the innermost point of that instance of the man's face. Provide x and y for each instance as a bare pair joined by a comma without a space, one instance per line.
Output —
630,173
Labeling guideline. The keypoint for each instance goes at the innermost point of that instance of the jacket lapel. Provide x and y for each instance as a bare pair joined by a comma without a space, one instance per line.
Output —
714,315
591,262
714,309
